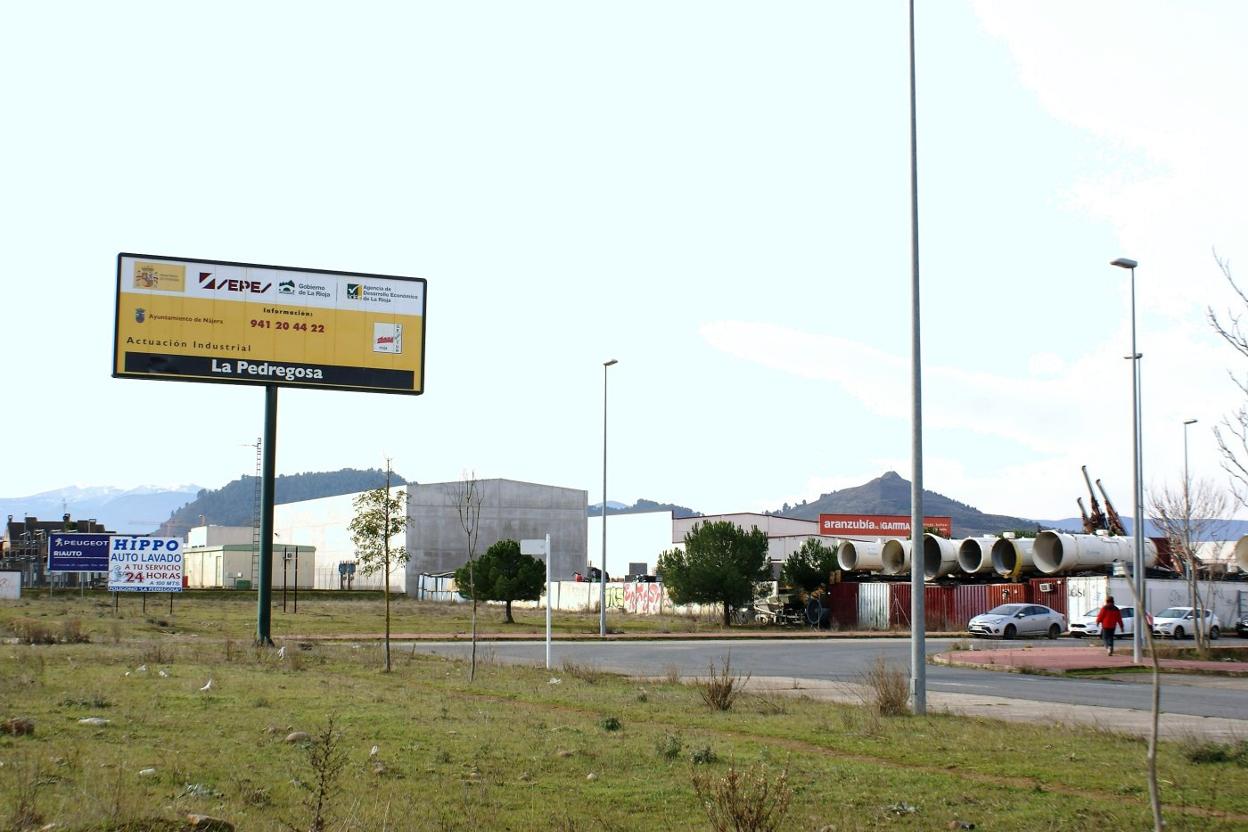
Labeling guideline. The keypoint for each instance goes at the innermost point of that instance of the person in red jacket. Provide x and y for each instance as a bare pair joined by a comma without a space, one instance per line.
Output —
1110,619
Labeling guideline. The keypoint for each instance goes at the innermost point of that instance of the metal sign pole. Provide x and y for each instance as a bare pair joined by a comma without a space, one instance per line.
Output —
264,592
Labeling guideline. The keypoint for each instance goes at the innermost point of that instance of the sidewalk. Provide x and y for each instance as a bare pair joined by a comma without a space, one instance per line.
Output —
1058,660
1124,720
744,634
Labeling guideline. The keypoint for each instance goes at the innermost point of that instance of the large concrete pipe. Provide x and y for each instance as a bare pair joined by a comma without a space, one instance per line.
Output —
1061,552
1011,557
975,554
1241,553
859,555
940,556
895,556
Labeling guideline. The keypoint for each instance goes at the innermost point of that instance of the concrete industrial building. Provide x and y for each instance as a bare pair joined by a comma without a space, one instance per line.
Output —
785,535
436,541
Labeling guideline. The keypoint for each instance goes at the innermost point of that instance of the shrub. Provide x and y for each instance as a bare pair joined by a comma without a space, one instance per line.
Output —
1197,750
326,758
887,689
29,631
72,632
721,688
610,723
703,756
668,746
744,801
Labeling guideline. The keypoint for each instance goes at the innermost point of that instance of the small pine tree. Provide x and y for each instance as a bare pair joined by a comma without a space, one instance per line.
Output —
504,574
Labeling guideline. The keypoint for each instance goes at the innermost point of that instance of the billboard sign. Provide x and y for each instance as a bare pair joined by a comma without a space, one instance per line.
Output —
144,564
77,552
879,525
199,320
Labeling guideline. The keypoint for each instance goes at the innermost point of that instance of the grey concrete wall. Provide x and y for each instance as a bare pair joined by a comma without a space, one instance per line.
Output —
509,509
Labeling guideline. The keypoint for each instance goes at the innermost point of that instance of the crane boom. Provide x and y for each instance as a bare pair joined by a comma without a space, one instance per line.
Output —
1096,518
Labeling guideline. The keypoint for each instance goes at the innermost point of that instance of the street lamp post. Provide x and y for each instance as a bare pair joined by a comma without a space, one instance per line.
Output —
918,618
1187,493
602,575
1137,641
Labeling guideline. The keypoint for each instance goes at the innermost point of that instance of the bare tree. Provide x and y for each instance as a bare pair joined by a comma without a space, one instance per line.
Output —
467,497
1187,515
1150,756
1232,434
379,516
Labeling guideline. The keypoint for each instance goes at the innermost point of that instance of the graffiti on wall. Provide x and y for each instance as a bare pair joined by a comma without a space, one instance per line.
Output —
644,599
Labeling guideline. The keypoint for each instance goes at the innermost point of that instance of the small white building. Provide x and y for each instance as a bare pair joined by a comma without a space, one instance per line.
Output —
236,565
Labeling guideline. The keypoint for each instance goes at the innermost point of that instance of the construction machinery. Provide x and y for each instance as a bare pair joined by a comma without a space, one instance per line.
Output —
1111,516
1094,521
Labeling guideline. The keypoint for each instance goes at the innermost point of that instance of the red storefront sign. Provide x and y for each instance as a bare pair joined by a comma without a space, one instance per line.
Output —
879,525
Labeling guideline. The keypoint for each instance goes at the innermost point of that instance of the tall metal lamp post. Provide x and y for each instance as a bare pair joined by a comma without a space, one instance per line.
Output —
1137,641
918,618
1187,492
602,576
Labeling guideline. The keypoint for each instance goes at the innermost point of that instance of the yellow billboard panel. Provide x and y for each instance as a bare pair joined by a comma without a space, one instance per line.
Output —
199,320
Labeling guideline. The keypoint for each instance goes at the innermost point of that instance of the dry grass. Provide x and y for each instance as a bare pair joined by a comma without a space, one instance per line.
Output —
30,631
887,689
721,688
752,800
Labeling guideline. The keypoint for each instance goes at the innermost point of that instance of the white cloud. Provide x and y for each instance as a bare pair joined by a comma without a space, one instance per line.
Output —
1074,414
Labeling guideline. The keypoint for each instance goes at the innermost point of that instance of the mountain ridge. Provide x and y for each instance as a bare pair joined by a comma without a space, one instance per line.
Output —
889,493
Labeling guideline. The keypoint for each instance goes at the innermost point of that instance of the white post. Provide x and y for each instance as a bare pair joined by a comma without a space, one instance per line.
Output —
548,599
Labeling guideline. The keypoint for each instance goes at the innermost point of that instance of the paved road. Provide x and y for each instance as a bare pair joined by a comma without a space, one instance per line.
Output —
846,660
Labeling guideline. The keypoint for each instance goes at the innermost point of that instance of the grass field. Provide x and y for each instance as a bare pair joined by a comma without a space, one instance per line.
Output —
226,613
516,750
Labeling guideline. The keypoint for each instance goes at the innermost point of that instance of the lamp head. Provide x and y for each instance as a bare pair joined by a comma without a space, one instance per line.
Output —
1124,263
1191,421
610,363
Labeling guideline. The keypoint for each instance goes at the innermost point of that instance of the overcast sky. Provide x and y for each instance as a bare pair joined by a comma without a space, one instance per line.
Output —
715,193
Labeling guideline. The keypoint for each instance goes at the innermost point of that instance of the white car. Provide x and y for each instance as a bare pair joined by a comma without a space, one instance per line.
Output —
1018,620
1085,625
1181,622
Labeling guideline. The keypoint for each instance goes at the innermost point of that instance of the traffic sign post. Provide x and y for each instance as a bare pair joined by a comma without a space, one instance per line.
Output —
541,548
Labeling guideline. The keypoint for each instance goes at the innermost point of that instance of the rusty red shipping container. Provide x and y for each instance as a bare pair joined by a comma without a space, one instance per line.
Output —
1048,591
970,600
842,605
937,607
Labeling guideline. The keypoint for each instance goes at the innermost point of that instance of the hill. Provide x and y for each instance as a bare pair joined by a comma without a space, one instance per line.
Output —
890,494
234,503
641,506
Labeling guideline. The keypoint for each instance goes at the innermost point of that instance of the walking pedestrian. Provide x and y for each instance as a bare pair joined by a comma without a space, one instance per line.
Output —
1110,619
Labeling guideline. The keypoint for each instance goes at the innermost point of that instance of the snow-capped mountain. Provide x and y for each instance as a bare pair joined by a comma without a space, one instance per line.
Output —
136,510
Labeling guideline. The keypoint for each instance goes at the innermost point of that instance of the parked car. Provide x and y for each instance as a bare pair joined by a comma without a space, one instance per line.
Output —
1181,622
1085,625
1241,626
1018,620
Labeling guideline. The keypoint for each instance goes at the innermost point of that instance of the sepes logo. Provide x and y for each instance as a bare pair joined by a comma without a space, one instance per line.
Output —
140,314
388,338
286,287
355,291
255,287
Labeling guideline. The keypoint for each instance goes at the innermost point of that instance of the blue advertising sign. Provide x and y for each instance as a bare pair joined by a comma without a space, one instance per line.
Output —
77,552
